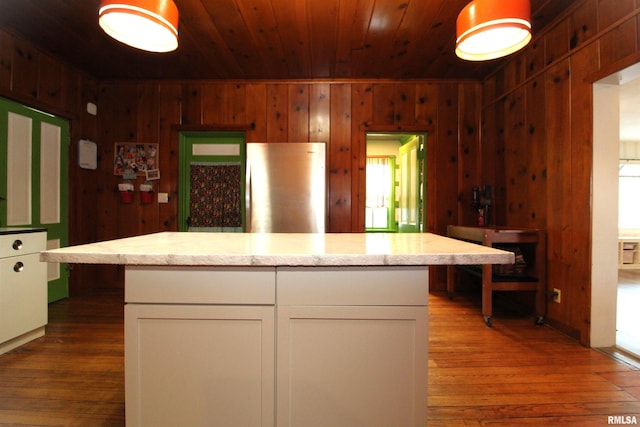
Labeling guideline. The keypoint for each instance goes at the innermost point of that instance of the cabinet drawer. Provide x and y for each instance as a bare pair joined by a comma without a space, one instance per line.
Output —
23,295
200,285
383,286
16,244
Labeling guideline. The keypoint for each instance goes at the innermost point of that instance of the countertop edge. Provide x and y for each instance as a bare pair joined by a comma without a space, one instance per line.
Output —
280,259
240,249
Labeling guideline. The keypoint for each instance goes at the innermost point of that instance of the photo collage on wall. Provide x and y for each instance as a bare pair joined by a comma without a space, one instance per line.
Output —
133,159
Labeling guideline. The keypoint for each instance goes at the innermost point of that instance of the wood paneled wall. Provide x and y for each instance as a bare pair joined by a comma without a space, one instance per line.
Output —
153,111
537,115
339,113
38,79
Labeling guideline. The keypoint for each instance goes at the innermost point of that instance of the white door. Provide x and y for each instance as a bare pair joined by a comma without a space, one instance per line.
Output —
412,186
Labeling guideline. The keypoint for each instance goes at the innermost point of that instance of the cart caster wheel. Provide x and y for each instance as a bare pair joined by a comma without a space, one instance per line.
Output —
539,320
487,321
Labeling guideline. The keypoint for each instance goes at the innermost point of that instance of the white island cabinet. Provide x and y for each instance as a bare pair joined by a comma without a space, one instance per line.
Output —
295,330
201,354
352,346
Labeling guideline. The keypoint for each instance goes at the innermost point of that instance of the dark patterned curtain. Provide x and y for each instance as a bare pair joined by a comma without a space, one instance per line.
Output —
215,195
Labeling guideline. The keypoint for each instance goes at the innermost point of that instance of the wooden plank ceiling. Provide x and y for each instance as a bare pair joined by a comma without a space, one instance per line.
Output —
268,39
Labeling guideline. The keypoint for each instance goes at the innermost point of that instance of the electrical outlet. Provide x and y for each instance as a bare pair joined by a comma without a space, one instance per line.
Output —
557,295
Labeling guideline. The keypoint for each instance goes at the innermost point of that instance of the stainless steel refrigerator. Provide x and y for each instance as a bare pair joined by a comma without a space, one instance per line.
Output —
285,190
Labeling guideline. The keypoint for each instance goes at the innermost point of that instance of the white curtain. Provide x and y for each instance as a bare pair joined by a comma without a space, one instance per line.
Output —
379,203
378,182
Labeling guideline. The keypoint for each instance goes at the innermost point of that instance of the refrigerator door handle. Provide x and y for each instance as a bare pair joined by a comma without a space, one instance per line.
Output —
247,197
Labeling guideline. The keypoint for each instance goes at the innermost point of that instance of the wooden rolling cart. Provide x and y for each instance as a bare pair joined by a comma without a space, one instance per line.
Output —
527,274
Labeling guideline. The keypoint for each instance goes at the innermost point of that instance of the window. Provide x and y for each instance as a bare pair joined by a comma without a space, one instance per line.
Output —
380,203
629,196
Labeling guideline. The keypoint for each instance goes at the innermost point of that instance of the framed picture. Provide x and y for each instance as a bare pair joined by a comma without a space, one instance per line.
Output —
135,157
153,174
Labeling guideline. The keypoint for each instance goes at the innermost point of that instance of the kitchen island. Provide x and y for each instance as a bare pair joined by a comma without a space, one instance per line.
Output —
233,329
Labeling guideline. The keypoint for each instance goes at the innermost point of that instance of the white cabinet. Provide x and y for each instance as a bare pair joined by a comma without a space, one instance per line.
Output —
284,346
201,365
352,346
199,346
23,287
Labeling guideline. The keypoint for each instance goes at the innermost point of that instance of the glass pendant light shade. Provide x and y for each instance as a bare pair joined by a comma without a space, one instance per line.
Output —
489,29
150,25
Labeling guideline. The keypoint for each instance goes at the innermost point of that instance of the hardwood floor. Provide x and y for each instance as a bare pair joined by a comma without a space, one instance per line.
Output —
74,375
515,373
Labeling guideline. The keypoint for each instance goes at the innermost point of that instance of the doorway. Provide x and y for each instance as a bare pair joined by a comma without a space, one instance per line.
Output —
211,183
627,314
615,280
395,175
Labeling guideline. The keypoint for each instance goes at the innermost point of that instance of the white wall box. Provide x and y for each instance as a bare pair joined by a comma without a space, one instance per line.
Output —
87,154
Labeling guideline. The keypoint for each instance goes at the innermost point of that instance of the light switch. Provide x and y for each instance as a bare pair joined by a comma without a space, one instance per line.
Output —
163,197
92,108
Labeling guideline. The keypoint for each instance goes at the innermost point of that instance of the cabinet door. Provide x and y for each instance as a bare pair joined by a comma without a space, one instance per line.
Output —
351,366
23,295
199,365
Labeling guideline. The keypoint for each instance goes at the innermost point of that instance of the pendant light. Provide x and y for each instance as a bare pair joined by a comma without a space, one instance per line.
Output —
489,29
150,25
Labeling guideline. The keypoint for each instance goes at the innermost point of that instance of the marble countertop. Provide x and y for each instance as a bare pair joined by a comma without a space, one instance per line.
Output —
247,249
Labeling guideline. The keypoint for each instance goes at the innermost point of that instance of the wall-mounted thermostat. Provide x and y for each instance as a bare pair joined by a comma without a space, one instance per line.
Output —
87,154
